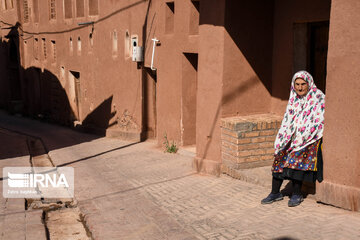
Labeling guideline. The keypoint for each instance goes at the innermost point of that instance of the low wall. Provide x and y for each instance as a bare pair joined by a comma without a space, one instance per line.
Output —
248,141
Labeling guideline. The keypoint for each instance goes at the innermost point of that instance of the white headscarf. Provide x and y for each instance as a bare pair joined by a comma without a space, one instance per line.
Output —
304,117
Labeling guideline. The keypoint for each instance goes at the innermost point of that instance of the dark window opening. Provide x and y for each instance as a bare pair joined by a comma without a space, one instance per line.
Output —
310,50
44,48
36,48
77,92
53,46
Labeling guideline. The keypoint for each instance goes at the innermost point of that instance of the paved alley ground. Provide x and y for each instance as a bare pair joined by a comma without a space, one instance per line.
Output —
135,191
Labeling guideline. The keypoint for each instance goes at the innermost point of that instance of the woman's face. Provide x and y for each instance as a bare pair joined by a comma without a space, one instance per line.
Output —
301,87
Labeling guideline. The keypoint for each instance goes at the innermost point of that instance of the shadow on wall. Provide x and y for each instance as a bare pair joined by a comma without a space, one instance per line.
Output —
4,85
10,66
101,116
254,39
250,25
243,87
44,97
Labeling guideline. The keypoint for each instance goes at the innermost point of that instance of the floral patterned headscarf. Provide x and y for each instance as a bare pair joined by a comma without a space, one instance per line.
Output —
303,122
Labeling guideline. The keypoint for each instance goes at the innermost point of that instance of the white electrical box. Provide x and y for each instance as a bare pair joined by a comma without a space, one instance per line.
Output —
137,54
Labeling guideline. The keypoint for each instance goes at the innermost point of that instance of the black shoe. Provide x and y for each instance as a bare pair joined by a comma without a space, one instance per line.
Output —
295,200
273,197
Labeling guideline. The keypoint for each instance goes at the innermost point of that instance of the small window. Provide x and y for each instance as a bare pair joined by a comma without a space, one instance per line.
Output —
169,17
80,8
127,44
52,8
93,7
91,39
9,4
68,8
62,75
79,45
26,11
71,48
36,10
53,49
44,48
25,47
36,48
3,3
62,72
115,42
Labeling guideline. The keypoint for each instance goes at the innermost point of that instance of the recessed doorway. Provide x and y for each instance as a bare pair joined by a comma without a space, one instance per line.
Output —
310,50
188,98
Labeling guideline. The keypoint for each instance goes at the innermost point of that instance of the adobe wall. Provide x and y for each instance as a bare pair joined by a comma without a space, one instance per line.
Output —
235,71
286,13
110,83
247,57
210,82
341,186
112,86
176,38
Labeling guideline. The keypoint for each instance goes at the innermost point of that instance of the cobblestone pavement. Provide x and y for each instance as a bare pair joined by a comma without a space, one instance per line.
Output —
15,221
135,191
146,186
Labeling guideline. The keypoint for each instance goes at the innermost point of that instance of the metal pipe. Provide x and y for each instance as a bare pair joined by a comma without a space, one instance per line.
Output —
86,23
153,53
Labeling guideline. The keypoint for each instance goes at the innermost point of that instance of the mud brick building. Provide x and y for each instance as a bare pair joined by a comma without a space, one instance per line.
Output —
218,68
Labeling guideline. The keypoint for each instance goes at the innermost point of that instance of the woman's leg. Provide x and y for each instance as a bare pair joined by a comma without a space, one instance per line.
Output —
275,194
296,197
297,187
276,184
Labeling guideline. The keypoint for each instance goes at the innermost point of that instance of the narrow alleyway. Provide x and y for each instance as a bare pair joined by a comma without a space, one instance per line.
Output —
135,191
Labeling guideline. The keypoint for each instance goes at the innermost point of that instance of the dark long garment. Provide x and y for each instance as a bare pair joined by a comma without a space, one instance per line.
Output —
303,165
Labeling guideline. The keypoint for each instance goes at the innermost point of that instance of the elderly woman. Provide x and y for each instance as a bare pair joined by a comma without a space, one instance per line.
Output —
298,142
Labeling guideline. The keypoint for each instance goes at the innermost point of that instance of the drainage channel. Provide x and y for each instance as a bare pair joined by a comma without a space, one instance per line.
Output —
61,218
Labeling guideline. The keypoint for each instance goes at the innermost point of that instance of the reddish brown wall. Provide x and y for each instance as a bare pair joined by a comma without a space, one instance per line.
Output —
110,83
286,13
341,186
188,100
210,77
169,59
247,57
234,70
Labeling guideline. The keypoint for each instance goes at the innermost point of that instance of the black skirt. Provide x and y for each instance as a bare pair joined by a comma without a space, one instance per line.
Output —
307,176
